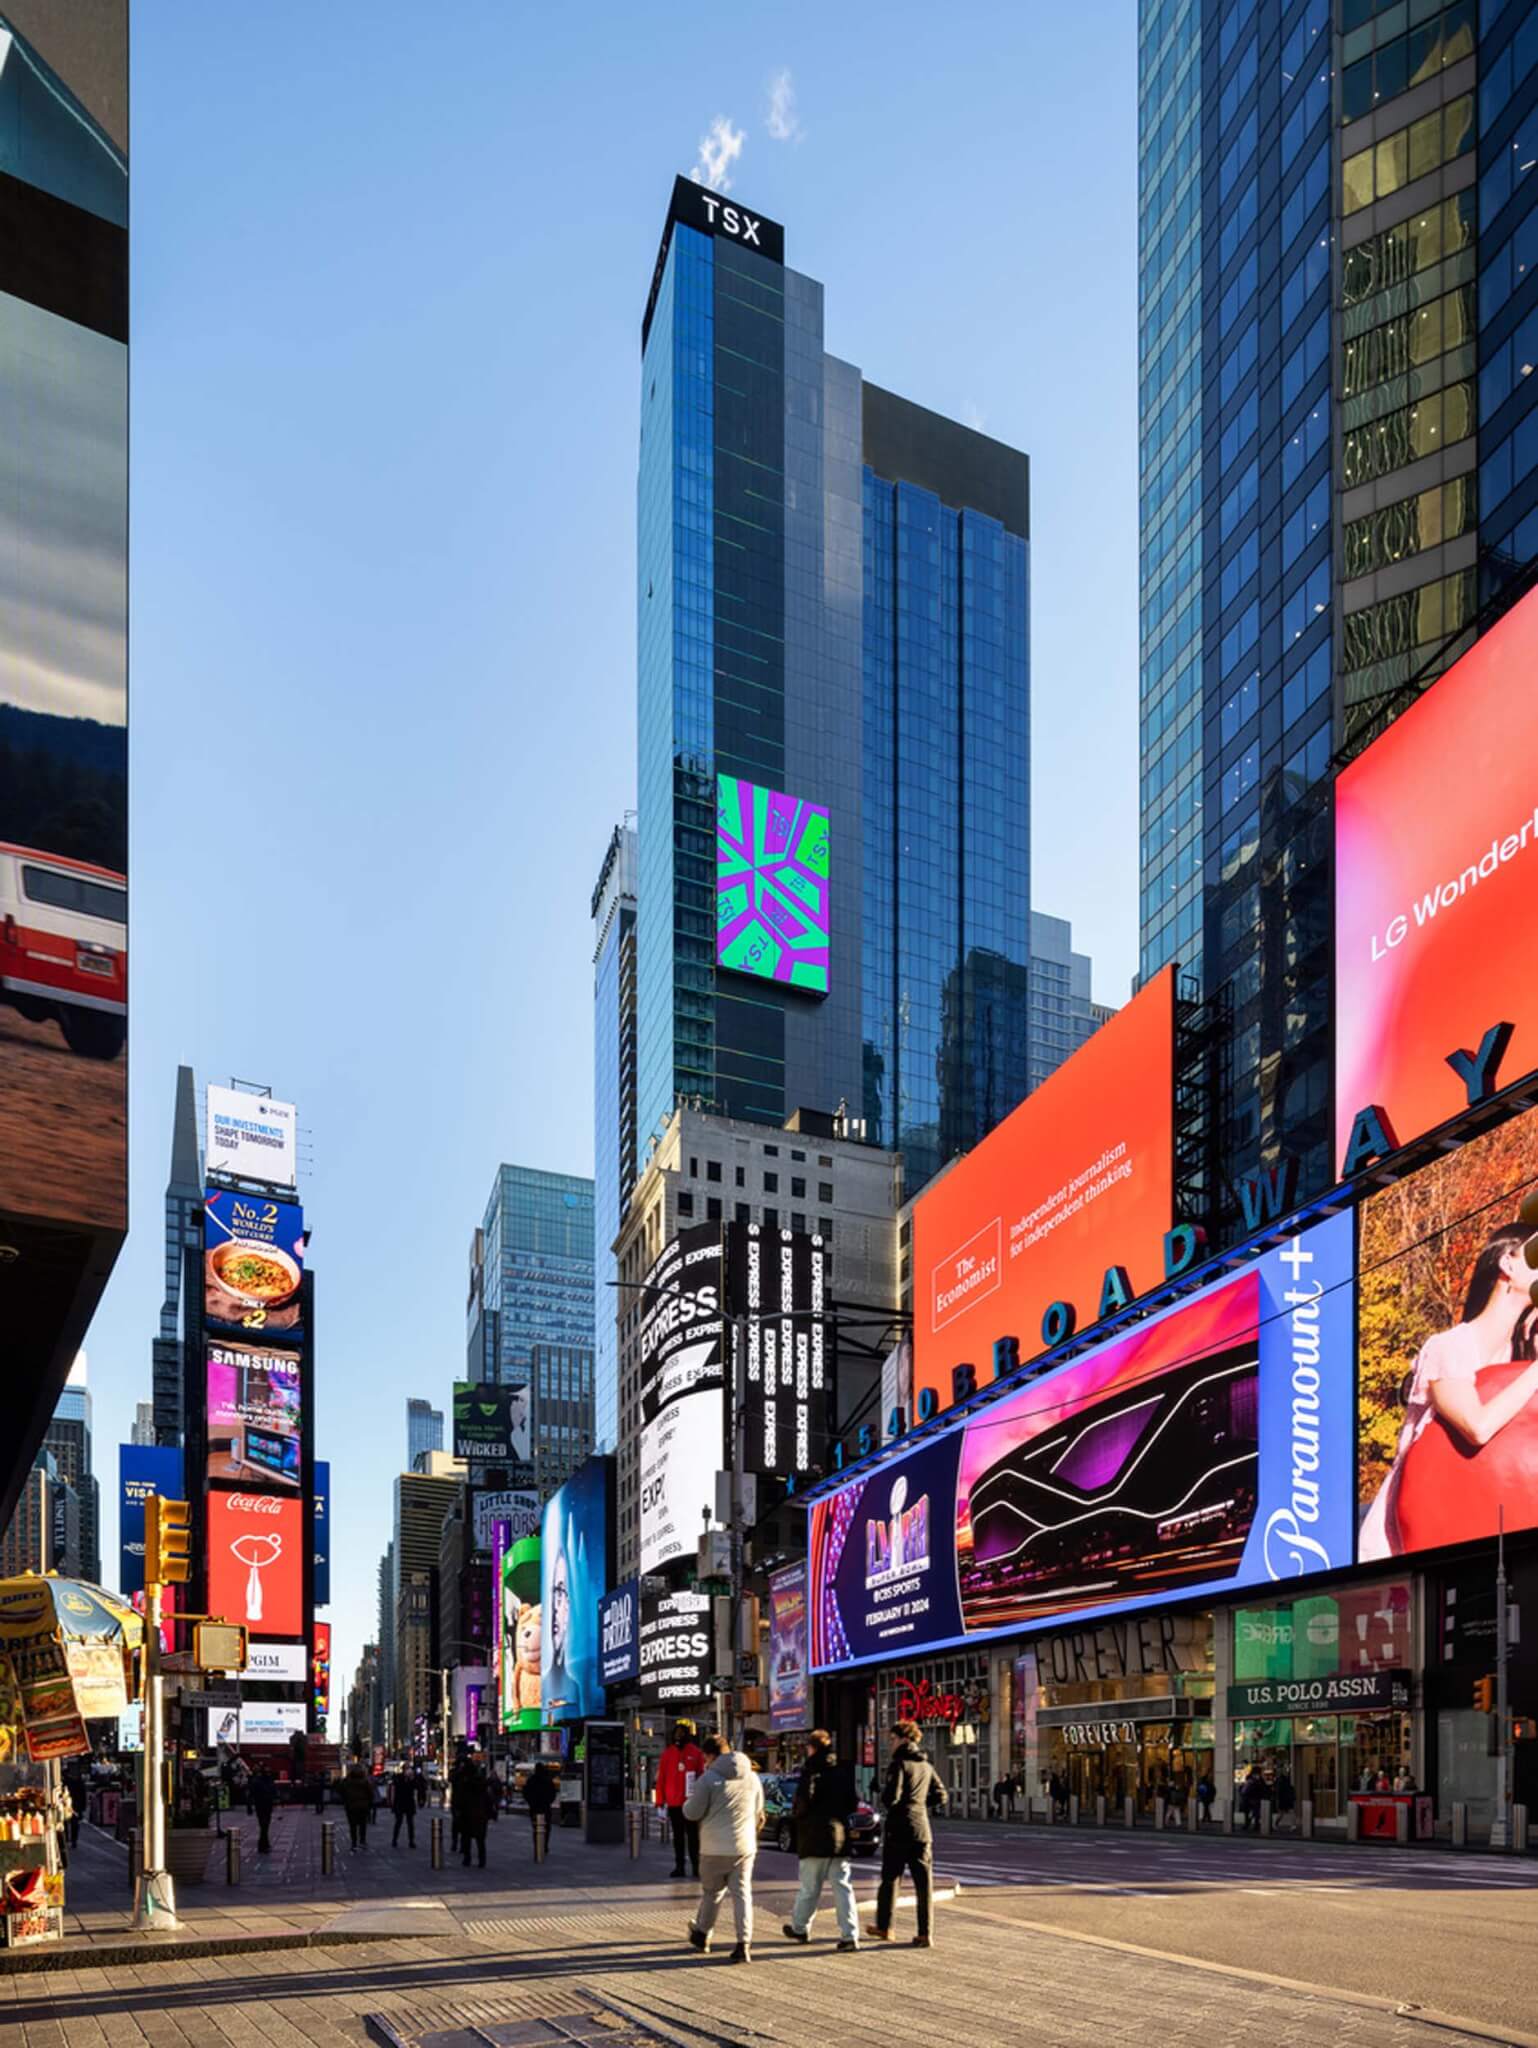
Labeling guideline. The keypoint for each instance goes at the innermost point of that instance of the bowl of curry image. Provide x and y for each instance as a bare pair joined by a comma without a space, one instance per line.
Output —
255,1275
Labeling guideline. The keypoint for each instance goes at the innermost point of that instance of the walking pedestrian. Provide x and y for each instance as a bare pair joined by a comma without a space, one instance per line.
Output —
1250,1797
75,1786
1059,1790
357,1804
821,1808
725,1807
403,1804
264,1797
474,1812
912,1791
541,1793
679,1765
1286,1796
1206,1792
496,1792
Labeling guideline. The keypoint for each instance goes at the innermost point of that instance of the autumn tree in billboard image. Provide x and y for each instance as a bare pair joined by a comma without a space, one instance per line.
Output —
1447,1389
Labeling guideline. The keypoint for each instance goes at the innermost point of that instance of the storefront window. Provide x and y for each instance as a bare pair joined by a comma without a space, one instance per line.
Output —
949,1698
1120,1710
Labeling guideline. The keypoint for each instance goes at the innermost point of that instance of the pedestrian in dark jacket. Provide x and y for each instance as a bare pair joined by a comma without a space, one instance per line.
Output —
821,1808
358,1805
264,1797
474,1811
403,1804
911,1792
541,1793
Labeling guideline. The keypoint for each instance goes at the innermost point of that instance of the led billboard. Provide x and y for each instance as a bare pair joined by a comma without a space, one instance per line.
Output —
1206,1449
1447,1389
683,1402
1436,858
675,1649
268,1724
790,1692
320,1668
618,1622
574,1563
321,1589
491,1423
778,1279
143,1469
256,1561
253,1417
518,1646
771,885
1079,1178
519,1509
252,1137
253,1265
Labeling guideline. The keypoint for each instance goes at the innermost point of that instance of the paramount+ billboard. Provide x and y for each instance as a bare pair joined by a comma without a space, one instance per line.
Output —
1436,863
1079,1178
1208,1449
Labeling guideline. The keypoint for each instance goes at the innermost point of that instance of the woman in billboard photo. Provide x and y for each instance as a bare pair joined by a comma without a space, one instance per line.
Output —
1468,1444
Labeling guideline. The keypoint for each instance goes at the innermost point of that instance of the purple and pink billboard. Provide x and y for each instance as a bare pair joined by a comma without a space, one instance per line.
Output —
771,884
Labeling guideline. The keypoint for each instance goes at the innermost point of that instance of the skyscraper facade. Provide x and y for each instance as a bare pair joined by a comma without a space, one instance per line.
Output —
1063,1012
615,1161
68,1437
1339,466
183,1229
424,1433
531,1273
833,613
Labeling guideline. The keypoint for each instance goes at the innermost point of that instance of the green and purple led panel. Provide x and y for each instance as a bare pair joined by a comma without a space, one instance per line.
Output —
771,885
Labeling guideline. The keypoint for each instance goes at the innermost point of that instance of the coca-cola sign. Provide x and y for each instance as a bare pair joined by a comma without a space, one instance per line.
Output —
256,1561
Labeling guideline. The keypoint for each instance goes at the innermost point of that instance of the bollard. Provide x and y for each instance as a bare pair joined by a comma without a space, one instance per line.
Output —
1460,1824
1051,1812
436,1834
1353,1821
1159,1813
634,1821
1073,1809
135,1858
1402,1821
1519,1829
541,1836
327,1847
1129,1812
232,1857
1265,1816
1306,1820
1099,1809
1225,1808
1193,1815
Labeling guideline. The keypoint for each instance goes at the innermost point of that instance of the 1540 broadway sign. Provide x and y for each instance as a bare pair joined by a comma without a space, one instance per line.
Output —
1349,1692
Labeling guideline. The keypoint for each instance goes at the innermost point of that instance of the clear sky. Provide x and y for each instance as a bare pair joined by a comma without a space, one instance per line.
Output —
389,264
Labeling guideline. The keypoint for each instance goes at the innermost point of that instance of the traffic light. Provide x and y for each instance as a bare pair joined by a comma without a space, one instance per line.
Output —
1484,1695
1528,1211
167,1542
1524,1728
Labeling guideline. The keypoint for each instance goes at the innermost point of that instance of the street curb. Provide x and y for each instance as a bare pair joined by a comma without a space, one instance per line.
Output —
1399,2008
109,1955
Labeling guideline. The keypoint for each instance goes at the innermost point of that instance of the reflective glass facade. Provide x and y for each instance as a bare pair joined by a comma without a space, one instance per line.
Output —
833,602
614,1104
535,1281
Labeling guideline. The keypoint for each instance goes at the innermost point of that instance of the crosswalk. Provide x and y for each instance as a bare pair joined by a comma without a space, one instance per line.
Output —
1158,1873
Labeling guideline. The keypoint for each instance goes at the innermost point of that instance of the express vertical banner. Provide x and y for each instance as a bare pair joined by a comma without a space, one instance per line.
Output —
777,1280
683,1414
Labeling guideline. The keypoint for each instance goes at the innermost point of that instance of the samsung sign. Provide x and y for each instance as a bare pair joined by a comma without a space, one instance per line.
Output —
618,1636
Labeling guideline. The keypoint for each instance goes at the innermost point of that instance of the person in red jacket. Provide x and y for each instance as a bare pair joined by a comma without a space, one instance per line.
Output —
677,1768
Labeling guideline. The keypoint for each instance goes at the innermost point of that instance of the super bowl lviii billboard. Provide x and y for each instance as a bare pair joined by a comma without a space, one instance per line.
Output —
1436,863
1207,1449
1077,1179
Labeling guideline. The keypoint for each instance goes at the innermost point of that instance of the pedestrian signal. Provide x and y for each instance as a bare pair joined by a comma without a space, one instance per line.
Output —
167,1542
1524,1728
1484,1695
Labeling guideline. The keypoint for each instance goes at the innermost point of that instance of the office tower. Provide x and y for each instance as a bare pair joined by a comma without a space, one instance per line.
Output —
1063,1013
183,1231
1337,295
423,1501
614,1101
531,1273
833,855
562,1417
386,1618
63,692
143,1431
424,1433
43,1525
68,1438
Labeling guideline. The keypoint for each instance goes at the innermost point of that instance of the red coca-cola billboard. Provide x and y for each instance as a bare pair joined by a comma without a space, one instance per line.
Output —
256,1561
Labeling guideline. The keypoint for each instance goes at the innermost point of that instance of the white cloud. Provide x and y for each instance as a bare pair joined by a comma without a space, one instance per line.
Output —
782,120
720,147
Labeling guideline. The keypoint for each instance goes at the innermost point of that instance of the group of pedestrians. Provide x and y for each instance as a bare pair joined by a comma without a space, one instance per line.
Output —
722,1811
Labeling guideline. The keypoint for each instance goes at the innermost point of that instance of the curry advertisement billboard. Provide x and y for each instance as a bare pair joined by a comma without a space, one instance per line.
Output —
1017,1238
1436,864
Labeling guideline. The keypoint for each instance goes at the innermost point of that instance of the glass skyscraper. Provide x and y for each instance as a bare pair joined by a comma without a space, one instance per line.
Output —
1339,465
615,1161
531,1273
833,600
424,1433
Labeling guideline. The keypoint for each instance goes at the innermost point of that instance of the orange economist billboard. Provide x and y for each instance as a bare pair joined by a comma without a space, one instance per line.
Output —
1436,869
1078,1178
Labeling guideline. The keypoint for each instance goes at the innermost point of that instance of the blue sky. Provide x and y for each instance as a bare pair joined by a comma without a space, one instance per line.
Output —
389,264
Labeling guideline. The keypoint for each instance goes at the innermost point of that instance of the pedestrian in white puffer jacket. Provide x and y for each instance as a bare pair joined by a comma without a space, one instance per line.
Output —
728,1803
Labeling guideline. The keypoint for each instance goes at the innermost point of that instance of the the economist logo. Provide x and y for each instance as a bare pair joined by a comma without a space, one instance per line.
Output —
1436,862
256,1561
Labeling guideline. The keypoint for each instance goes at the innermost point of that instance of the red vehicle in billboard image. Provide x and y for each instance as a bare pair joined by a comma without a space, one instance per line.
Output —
64,947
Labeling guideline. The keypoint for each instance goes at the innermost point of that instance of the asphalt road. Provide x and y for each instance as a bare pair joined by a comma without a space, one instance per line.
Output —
1455,1933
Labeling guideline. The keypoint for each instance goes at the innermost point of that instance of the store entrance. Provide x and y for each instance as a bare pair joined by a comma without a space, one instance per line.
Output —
1137,1762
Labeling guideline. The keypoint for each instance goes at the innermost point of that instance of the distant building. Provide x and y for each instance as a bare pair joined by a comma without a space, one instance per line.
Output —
143,1431
68,1437
1063,1015
561,1413
387,1597
424,1433
615,1153
32,1539
531,1273
183,1228
423,1501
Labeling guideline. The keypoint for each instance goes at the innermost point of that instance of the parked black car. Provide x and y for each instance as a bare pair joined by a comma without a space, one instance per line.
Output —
778,1828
